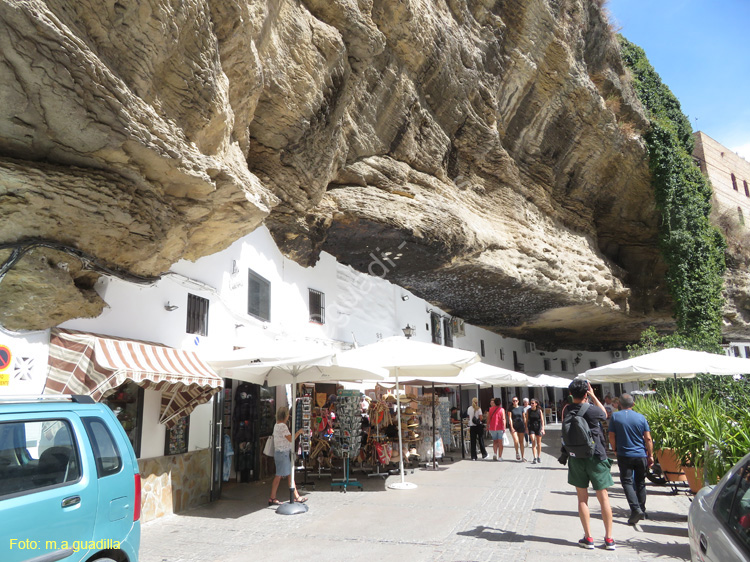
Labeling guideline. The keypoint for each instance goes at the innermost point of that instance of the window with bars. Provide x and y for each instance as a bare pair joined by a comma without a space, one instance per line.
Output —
197,315
448,332
436,328
258,296
317,306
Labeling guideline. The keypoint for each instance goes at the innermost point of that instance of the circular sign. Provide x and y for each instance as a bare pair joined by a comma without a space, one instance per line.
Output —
5,357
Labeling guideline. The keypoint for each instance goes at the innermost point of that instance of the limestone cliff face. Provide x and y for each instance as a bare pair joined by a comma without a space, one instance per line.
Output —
488,152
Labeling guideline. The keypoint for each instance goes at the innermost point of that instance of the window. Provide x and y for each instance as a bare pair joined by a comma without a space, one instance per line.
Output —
37,454
548,364
448,332
747,189
563,364
127,404
732,506
734,183
740,216
317,306
258,296
736,351
747,352
197,315
481,347
592,364
108,460
176,438
502,354
436,326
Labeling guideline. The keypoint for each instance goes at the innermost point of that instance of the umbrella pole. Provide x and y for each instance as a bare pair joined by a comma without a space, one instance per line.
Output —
434,460
403,485
293,507
461,423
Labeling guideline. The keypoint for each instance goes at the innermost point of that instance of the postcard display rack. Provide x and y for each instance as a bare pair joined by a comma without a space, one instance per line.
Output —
304,422
347,435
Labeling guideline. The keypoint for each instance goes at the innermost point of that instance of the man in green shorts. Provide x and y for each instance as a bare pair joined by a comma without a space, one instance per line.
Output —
594,469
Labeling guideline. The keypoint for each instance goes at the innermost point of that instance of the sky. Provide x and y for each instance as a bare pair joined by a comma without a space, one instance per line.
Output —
701,50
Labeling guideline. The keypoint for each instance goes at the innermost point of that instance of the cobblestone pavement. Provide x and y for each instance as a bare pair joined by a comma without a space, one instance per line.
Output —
464,511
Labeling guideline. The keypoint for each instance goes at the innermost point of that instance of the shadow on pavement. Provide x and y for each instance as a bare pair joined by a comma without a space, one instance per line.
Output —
498,535
660,548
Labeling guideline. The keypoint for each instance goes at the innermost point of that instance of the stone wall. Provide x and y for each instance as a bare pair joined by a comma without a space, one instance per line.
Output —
174,483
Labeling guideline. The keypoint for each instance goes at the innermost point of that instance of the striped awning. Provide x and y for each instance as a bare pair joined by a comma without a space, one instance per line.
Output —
83,363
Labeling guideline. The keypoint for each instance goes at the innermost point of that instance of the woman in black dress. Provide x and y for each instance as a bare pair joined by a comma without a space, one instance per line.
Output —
535,423
517,425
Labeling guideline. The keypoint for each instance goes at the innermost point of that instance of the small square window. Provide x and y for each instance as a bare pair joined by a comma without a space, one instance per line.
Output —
592,365
197,315
317,306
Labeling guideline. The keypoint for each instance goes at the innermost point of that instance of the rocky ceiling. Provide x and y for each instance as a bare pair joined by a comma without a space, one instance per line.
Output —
488,152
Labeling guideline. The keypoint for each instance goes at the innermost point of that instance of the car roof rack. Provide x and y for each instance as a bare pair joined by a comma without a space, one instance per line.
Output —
26,398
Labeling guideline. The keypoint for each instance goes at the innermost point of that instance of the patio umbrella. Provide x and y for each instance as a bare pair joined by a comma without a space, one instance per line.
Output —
554,382
409,359
294,370
668,363
497,376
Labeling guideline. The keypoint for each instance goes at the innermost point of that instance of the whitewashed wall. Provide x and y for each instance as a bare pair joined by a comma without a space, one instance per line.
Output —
359,308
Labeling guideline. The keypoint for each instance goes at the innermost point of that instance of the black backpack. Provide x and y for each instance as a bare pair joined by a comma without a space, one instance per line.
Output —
576,434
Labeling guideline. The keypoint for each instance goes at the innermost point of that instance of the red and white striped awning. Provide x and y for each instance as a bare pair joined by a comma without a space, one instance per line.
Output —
82,363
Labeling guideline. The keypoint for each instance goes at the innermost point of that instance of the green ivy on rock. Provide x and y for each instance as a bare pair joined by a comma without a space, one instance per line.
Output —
692,247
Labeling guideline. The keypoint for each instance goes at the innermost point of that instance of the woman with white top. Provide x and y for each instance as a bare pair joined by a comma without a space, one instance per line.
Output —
282,442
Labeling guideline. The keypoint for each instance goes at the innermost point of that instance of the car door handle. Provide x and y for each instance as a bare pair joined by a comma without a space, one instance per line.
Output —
72,500
703,542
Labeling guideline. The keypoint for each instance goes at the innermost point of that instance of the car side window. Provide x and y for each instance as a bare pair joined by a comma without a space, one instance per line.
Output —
739,514
37,454
106,453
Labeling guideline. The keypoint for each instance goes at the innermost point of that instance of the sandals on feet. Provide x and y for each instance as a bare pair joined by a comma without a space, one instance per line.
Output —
273,501
301,499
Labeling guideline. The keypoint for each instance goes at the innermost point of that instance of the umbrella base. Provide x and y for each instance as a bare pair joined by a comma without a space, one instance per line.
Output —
291,508
402,486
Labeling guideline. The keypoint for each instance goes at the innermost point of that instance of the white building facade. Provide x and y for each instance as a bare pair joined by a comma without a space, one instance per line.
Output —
245,297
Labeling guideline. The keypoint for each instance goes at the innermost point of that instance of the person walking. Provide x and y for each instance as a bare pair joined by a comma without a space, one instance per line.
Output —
497,429
282,442
526,407
630,437
476,429
517,428
534,418
594,469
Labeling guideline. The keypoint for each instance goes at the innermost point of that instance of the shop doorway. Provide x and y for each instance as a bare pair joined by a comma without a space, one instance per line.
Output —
217,446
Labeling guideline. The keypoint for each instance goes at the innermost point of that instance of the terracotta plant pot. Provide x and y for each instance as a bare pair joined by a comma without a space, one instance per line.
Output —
670,465
694,477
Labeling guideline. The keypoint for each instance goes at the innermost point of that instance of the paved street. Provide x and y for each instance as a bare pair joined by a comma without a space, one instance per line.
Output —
464,511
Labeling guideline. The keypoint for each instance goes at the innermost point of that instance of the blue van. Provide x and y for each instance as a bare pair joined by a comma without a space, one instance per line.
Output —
70,489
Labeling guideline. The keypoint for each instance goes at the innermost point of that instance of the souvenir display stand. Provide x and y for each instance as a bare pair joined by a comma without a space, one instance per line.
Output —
347,434
379,445
321,453
304,422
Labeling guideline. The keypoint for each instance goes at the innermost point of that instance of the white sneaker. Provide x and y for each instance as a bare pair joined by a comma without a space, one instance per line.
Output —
494,457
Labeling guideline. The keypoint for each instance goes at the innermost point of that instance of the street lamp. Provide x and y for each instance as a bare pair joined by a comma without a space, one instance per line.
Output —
408,331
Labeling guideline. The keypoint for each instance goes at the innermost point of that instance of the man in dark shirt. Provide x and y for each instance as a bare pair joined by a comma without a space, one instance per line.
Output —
595,469
630,437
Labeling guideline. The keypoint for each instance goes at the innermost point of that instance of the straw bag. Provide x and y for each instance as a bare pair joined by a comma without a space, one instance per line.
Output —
269,449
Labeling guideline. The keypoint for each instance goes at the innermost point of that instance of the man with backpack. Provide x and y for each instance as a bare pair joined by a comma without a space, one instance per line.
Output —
584,441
